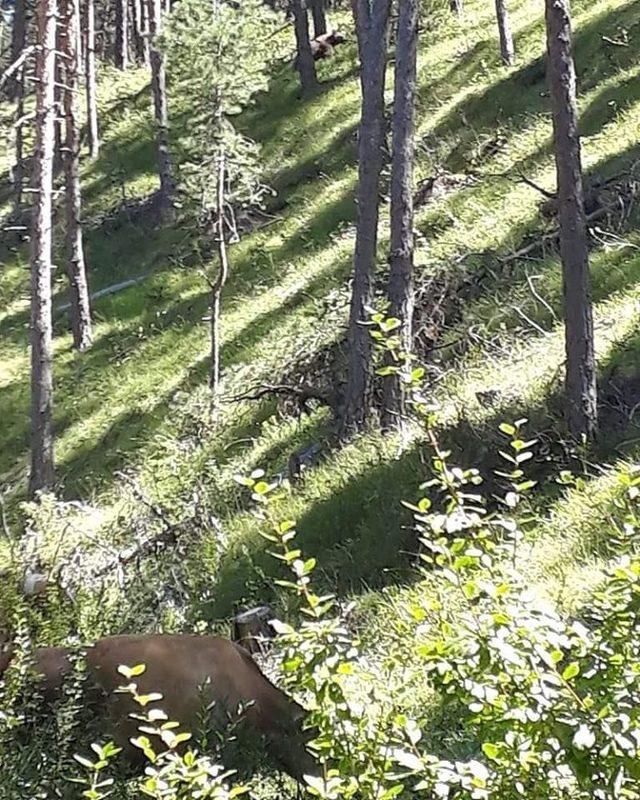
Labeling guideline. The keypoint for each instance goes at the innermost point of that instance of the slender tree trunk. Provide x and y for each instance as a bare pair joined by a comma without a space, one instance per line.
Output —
581,387
42,465
80,311
18,167
161,110
90,77
122,35
400,290
138,29
18,41
305,64
57,99
145,27
372,25
456,6
15,91
221,278
319,17
507,49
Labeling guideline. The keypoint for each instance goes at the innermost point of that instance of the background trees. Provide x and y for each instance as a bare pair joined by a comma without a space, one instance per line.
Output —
161,110
372,29
42,465
400,288
581,392
89,44
80,311
304,58
507,50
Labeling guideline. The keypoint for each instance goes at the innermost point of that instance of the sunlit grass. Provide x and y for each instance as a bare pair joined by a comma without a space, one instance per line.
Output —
124,404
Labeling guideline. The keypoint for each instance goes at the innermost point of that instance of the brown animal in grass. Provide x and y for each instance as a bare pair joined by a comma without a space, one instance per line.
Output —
322,46
188,670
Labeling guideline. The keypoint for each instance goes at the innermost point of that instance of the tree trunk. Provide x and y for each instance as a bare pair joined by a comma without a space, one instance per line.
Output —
144,23
122,35
90,77
18,41
456,6
319,17
507,50
372,25
18,167
400,291
42,467
79,311
305,64
159,89
581,390
138,30
221,278
15,92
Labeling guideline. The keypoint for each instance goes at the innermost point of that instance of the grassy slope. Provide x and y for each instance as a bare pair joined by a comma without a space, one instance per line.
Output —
138,399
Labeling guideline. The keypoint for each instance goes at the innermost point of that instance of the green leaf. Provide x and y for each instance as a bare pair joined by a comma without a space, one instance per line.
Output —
571,671
243,481
490,750
506,428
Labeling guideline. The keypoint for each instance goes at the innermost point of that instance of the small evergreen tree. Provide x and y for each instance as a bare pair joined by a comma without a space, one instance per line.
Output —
218,55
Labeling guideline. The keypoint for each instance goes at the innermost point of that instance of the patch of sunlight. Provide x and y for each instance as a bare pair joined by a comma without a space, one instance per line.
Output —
531,365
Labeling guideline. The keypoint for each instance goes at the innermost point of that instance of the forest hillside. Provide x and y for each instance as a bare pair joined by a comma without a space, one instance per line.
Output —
150,527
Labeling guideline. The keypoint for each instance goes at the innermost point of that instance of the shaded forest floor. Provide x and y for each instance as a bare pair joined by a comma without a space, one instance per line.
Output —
132,423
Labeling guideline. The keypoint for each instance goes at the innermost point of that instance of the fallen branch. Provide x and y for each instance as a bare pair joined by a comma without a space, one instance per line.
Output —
552,236
303,392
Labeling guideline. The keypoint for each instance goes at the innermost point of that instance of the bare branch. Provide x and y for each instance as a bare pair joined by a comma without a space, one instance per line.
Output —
13,68
303,392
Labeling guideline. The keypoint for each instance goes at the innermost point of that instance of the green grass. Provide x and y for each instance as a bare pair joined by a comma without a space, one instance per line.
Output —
137,402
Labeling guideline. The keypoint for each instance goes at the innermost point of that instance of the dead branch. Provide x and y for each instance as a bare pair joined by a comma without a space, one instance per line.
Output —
13,68
538,296
523,179
167,537
303,392
552,236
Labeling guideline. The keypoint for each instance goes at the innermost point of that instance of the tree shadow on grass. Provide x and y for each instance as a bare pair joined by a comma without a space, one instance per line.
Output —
124,448
522,92
362,535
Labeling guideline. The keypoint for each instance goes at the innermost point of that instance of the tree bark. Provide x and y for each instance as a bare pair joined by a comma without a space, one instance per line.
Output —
144,22
319,17
161,110
400,290
18,41
580,381
18,167
80,311
220,280
507,49
122,35
138,30
42,463
372,26
90,77
456,6
305,64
